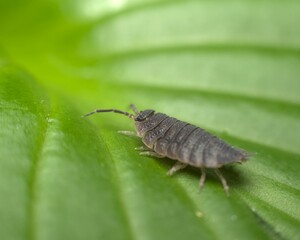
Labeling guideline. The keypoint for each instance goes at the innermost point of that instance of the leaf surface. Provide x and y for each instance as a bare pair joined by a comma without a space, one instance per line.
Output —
231,67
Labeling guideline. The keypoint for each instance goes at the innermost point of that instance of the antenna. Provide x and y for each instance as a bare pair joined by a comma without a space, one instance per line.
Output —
109,110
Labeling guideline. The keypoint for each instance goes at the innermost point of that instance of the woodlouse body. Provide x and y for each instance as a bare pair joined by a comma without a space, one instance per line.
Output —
166,136
184,142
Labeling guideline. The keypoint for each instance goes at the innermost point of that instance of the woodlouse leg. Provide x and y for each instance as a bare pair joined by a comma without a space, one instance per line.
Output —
152,154
128,133
176,167
142,148
223,180
202,178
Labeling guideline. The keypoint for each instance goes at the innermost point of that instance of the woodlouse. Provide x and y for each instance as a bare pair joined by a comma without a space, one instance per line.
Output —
166,136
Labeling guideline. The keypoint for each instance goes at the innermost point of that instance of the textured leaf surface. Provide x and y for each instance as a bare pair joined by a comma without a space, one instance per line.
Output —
231,67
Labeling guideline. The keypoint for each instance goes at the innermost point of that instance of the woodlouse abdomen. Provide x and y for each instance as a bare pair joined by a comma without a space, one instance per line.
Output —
166,136
186,143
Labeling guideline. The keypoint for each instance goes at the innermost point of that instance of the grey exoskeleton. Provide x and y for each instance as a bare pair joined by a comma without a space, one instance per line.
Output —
166,136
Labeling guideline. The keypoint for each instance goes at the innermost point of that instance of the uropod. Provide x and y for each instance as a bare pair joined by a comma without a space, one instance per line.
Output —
169,137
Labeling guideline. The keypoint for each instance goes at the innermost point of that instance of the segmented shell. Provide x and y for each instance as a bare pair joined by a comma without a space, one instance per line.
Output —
186,143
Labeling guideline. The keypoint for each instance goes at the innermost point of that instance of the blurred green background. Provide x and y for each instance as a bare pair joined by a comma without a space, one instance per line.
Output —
231,67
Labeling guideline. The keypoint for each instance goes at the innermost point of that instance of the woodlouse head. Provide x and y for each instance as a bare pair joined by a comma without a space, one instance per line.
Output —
143,115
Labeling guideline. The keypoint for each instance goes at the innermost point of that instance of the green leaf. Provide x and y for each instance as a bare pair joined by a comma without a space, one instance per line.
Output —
231,67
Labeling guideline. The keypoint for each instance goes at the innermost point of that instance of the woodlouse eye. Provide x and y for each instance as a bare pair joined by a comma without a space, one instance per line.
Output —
143,115
139,119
